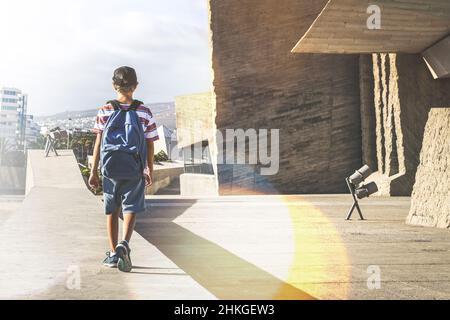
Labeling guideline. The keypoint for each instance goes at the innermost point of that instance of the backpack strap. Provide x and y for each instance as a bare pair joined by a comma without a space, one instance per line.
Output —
115,104
135,104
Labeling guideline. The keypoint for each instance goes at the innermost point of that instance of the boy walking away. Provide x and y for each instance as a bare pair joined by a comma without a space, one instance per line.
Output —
125,131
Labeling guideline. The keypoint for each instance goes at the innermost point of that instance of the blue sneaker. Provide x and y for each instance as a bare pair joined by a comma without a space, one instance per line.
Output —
123,252
111,262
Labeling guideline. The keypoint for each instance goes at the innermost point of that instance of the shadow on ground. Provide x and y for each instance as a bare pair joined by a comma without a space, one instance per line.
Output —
221,272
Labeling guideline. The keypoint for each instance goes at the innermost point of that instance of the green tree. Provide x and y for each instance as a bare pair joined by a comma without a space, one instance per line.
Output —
39,144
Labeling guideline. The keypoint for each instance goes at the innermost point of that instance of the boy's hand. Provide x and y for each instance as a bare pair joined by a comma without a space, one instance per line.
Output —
148,180
94,180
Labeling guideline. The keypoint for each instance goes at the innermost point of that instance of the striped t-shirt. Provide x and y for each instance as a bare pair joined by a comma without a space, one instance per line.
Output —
144,113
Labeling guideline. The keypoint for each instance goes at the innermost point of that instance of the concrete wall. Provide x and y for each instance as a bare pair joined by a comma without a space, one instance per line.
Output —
165,174
259,83
196,123
12,180
195,118
431,196
404,92
437,58
407,26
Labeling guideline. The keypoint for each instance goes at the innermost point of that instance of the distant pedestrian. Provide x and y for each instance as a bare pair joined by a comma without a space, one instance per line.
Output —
124,147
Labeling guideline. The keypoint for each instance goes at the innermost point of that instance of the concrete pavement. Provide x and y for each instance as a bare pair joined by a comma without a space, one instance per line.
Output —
59,232
258,247
8,205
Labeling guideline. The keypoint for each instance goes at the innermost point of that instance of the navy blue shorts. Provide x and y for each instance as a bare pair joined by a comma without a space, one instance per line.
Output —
126,194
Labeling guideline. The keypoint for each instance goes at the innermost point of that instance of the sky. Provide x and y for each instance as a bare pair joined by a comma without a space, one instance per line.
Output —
63,53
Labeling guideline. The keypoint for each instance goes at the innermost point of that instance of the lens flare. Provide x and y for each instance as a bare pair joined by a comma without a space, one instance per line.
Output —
320,265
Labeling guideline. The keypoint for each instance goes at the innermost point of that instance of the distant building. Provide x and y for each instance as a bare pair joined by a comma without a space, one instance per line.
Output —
167,142
33,130
13,116
69,123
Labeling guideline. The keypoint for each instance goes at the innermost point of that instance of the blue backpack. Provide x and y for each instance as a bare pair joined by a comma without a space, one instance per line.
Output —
124,150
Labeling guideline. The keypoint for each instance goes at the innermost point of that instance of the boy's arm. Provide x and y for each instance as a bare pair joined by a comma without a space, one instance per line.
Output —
94,179
150,158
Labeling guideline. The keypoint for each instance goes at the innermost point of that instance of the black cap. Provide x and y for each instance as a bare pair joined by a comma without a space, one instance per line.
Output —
125,77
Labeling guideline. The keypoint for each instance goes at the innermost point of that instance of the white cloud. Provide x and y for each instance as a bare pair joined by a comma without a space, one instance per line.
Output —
63,53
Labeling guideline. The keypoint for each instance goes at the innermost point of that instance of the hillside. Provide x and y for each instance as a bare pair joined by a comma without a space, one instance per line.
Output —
164,114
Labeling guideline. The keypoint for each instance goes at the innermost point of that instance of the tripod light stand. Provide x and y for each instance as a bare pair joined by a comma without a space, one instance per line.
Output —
359,190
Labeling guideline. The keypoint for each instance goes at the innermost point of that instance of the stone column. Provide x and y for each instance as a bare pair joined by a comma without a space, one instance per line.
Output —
430,204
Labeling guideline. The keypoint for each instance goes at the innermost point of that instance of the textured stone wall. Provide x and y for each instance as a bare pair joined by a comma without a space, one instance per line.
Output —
430,205
389,157
368,123
313,99
404,92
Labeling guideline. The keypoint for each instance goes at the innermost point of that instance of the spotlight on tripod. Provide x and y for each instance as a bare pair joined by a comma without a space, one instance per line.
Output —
359,190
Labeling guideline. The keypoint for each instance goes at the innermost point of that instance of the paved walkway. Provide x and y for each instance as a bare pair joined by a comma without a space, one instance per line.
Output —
60,231
259,247
8,205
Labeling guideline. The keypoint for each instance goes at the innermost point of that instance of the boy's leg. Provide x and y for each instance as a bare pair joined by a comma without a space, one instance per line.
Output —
129,222
112,209
123,249
112,224
133,202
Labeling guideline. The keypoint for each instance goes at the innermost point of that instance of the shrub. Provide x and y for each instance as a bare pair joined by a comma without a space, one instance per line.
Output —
161,156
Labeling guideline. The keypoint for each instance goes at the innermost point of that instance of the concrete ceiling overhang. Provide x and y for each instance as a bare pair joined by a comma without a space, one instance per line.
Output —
437,59
407,26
